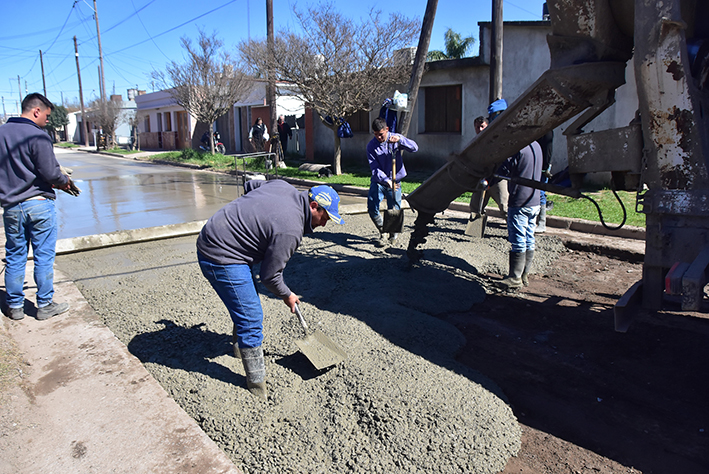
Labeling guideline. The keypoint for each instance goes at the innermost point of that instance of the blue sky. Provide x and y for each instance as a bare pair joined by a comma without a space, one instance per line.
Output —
139,36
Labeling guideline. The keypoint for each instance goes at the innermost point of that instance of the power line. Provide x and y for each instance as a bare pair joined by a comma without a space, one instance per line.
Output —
174,28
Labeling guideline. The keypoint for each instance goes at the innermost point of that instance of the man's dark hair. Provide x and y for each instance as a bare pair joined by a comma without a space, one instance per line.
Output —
36,100
379,124
480,120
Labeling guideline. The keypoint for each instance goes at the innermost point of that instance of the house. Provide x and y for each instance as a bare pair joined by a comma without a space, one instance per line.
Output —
165,125
123,131
454,92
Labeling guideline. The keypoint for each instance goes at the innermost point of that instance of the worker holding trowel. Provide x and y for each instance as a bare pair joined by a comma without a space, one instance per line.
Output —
264,226
384,155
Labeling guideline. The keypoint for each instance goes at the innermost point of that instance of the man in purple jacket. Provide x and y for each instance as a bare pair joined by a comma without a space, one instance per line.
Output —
264,226
381,151
28,173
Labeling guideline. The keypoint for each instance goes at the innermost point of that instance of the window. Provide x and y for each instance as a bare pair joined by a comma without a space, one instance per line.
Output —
147,123
359,122
443,109
168,121
159,122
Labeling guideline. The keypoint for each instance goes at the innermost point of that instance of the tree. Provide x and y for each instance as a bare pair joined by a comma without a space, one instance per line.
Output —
335,65
208,84
106,114
456,47
57,120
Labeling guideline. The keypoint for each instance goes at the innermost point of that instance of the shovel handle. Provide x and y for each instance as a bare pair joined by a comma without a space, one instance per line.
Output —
300,317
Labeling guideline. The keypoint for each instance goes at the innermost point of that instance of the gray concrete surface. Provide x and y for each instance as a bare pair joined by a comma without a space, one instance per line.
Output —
83,402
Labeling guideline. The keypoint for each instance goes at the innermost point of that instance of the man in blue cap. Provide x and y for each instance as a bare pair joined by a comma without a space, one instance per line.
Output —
522,207
264,226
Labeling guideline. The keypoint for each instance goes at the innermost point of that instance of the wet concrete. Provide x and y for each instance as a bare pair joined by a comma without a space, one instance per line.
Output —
122,194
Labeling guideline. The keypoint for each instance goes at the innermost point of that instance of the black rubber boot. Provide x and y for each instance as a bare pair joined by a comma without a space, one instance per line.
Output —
255,368
529,257
514,279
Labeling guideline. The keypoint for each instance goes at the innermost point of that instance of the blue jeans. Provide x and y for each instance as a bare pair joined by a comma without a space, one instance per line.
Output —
521,222
236,288
377,192
28,223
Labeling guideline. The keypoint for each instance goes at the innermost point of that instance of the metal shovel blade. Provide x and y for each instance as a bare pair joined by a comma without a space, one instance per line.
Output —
476,226
320,350
393,221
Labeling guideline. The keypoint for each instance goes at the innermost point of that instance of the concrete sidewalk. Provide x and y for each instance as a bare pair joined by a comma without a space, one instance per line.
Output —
84,404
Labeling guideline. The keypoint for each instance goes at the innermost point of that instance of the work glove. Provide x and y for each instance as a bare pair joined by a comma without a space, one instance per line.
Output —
69,187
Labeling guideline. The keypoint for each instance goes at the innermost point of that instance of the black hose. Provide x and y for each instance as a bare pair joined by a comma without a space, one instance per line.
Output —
600,214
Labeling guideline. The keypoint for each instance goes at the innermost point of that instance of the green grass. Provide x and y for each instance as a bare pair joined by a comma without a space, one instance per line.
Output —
360,176
565,206
66,145
122,151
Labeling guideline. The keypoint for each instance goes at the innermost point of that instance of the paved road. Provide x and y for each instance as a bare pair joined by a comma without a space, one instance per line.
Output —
123,194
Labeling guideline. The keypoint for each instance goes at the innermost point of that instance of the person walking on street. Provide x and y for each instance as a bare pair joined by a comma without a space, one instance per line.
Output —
28,173
264,226
381,152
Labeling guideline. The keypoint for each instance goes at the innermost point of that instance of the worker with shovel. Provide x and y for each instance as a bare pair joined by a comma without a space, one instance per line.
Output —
387,165
264,226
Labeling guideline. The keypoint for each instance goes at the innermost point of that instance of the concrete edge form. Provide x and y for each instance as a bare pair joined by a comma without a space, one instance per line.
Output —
92,242
85,404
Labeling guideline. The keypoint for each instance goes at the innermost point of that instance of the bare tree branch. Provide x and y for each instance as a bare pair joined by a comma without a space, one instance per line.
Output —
209,83
107,115
338,66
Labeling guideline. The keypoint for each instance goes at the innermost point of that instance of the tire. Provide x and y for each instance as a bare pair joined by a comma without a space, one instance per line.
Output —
220,149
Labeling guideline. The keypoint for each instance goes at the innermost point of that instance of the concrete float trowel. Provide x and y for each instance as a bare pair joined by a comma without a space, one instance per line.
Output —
320,350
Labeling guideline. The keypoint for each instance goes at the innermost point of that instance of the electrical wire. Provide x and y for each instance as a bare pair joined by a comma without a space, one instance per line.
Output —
174,28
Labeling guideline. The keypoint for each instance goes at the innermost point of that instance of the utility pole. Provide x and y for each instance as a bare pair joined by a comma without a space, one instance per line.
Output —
19,87
100,55
4,114
496,52
84,129
271,74
419,62
44,83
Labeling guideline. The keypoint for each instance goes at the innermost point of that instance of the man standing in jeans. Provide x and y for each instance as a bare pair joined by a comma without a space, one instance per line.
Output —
28,173
382,150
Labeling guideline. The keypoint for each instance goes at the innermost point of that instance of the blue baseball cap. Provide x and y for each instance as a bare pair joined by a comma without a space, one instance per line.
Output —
329,200
496,108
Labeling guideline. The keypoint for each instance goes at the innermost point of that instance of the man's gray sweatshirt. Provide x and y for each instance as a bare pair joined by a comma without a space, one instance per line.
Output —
264,226
28,167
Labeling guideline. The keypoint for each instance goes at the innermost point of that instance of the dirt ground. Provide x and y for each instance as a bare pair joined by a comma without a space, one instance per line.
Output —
441,366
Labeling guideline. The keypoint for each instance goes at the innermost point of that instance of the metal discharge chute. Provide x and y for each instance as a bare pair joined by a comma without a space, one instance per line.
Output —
662,155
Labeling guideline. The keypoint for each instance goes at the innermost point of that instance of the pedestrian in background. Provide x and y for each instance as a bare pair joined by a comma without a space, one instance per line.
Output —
258,135
28,173
284,133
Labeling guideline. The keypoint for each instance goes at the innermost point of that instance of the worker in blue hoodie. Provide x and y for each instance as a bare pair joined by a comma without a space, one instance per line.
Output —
264,226
29,173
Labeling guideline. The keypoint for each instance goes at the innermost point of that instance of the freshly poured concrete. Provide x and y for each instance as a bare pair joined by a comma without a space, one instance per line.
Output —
123,194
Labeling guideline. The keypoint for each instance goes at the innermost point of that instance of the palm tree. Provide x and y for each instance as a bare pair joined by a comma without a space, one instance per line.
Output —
456,47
